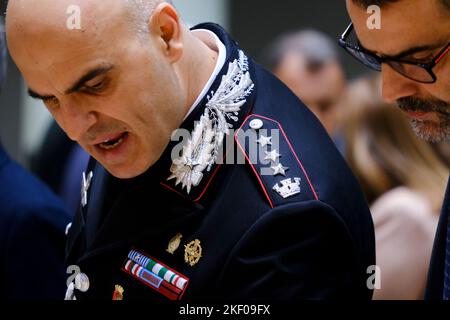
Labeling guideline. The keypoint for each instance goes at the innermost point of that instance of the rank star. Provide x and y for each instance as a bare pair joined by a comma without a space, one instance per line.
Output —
272,155
279,169
264,141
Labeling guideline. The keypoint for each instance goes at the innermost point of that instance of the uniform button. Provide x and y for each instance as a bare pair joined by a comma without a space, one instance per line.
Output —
256,124
82,282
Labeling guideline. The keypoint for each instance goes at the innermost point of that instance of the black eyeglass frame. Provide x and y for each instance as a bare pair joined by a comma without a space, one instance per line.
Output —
428,67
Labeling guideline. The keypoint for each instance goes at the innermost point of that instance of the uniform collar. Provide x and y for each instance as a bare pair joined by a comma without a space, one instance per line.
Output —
3,156
212,120
212,41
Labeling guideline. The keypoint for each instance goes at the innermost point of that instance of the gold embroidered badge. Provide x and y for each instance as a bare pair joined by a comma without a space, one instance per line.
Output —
192,252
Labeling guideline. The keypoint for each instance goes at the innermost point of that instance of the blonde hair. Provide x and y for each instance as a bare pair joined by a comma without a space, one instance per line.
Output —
385,153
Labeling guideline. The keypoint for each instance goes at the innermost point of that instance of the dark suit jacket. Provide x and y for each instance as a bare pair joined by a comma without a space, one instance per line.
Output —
435,285
315,244
32,224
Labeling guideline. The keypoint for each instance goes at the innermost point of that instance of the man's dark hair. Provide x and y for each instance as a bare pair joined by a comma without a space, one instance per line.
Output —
366,3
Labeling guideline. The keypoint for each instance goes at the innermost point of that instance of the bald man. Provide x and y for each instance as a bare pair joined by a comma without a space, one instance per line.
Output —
169,208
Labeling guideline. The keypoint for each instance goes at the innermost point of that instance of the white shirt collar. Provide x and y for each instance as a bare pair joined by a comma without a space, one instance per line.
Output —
212,41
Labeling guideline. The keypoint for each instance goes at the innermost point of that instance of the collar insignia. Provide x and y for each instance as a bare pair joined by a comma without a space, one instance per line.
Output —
201,150
85,185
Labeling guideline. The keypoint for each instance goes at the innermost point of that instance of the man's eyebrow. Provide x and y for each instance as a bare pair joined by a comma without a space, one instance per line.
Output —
89,75
36,95
408,52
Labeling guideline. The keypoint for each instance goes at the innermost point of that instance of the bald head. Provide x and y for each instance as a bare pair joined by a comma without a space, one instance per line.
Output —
119,97
41,32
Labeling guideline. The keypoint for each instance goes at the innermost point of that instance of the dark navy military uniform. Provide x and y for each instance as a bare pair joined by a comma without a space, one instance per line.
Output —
436,274
297,230
32,224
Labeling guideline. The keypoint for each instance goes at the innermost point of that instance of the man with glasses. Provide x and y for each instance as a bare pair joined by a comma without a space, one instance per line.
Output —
411,50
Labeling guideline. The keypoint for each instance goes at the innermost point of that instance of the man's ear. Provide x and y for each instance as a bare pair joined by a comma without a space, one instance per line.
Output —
165,24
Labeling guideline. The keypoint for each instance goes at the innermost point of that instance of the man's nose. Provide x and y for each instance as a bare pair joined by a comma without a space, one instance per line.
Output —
395,85
77,119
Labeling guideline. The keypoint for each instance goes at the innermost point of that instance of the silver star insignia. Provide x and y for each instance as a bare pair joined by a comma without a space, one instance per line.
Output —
264,141
272,155
279,169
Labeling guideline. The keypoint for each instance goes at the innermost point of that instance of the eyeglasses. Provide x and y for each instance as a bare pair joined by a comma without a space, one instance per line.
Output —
417,71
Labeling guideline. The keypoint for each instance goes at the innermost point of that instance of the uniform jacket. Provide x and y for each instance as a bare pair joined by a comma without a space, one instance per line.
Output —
435,284
245,231
32,224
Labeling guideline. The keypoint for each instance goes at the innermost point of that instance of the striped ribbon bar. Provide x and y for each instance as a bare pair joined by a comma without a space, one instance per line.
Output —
158,269
155,275
152,280
143,274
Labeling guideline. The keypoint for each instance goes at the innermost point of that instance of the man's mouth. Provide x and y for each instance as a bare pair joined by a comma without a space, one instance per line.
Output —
113,142
424,110
421,115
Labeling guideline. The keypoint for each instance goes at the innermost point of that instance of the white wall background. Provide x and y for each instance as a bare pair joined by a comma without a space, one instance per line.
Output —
36,118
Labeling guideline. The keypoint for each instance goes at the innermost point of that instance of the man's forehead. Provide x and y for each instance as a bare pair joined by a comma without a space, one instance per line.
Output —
51,47
61,16
63,72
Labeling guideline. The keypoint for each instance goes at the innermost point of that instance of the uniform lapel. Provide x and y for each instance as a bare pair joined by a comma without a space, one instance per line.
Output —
139,210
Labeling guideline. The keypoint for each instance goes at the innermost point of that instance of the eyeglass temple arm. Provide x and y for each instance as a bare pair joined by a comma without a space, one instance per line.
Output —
441,55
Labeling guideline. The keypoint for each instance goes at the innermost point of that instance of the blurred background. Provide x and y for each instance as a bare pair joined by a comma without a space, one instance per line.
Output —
253,23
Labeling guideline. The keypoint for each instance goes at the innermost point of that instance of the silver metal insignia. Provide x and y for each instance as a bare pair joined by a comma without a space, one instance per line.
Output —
279,169
85,185
201,150
256,124
288,187
264,141
272,155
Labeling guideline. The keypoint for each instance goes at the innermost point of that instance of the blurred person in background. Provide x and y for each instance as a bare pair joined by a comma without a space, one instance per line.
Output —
32,223
404,182
60,162
307,61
